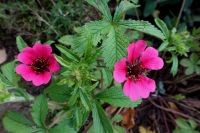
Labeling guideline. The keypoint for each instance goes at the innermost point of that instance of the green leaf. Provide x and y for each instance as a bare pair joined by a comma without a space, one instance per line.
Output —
163,46
194,58
8,70
135,1
122,8
68,53
115,97
20,43
16,123
182,124
161,24
80,117
185,62
107,77
87,36
67,40
85,100
83,41
49,42
5,81
117,118
41,131
101,122
184,131
98,27
23,93
74,97
174,67
119,129
149,8
114,46
91,129
40,110
58,93
62,61
193,124
179,97
143,26
102,6
90,35
62,127
198,62
189,71
197,69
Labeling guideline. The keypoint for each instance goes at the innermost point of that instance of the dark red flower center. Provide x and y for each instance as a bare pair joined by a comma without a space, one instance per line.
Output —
40,65
135,70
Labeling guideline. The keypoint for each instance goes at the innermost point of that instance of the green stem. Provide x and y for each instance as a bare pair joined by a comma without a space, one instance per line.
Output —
180,13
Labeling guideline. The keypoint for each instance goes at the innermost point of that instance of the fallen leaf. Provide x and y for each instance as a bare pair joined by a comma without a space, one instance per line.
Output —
173,106
111,109
128,115
3,55
145,130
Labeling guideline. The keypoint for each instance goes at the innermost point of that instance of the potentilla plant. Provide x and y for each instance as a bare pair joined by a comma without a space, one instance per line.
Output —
79,79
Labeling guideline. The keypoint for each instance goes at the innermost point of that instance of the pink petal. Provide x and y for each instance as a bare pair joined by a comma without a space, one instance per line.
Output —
42,78
25,71
119,73
150,59
135,50
150,51
26,56
42,50
132,89
141,88
149,84
54,66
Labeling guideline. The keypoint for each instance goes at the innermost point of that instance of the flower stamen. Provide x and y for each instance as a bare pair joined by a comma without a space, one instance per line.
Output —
135,70
40,65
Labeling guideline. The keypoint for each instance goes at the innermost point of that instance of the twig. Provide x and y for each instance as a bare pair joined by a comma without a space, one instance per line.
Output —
181,79
101,66
40,18
39,3
59,10
101,80
186,78
157,127
119,110
180,13
137,14
186,106
165,121
57,119
170,115
190,89
87,127
166,124
173,111
100,59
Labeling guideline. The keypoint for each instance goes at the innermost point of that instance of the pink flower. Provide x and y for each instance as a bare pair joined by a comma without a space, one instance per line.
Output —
132,70
38,63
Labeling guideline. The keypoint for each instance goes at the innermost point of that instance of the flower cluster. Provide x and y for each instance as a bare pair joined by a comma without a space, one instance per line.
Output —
133,69
38,63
